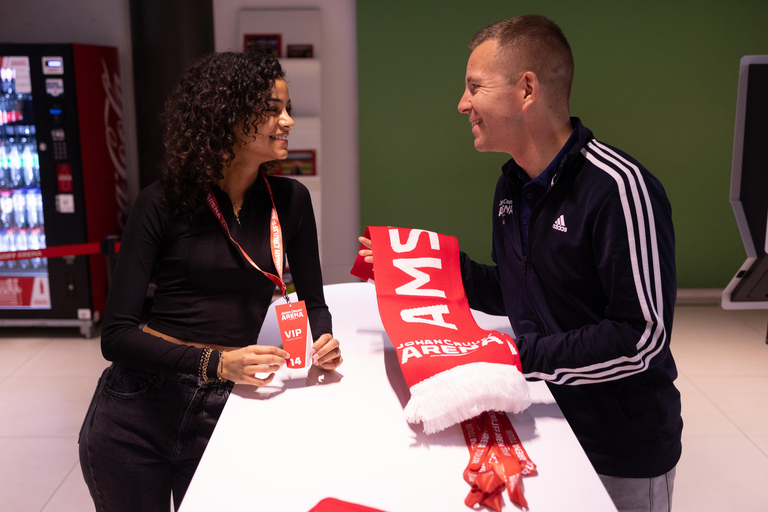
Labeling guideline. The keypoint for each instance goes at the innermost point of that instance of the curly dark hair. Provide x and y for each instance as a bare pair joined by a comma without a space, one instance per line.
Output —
200,117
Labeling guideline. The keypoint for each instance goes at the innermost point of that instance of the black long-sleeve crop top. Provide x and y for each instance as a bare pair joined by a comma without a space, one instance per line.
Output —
206,291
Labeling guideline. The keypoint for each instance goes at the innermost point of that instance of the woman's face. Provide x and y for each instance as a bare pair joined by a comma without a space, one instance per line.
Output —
270,142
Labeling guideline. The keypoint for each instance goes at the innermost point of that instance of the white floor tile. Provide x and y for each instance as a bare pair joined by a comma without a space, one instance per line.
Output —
17,351
719,473
700,415
33,469
72,495
756,319
761,442
743,399
707,340
44,406
65,357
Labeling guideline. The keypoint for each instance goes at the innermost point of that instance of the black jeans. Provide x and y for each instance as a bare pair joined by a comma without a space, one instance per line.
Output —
144,435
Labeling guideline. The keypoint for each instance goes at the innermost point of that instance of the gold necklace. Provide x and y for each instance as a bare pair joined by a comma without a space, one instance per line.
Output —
236,209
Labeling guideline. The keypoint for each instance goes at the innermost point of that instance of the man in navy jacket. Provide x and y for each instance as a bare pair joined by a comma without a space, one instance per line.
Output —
583,247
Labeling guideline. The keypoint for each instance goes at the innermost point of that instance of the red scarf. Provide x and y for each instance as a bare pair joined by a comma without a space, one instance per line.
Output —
454,369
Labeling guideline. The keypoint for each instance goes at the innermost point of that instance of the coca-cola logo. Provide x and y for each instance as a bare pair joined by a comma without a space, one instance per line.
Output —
115,137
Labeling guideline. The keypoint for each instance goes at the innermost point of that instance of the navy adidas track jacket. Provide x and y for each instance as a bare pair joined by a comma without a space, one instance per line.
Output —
591,302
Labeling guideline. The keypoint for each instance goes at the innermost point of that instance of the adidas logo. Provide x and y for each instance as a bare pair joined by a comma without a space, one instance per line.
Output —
560,224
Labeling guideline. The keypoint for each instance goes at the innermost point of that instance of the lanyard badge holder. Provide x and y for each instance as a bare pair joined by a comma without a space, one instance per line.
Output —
291,316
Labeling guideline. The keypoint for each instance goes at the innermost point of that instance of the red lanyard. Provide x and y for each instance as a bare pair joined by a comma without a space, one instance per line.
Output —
275,239
497,460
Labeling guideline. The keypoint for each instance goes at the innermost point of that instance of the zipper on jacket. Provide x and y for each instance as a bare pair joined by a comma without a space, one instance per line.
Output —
526,284
531,232
546,329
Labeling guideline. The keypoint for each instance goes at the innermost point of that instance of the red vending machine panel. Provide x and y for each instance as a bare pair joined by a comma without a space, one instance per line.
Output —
62,179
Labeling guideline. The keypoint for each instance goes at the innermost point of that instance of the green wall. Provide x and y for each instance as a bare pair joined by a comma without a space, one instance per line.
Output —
656,79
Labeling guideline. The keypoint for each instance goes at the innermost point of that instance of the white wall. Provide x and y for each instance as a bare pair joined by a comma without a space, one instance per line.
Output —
96,22
340,184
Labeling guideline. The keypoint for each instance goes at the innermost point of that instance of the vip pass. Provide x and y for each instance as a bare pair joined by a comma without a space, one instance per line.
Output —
292,321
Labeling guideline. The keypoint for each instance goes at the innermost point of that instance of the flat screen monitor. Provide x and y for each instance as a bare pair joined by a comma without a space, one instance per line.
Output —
749,185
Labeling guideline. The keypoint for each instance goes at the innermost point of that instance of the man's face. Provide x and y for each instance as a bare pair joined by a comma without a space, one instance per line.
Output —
494,106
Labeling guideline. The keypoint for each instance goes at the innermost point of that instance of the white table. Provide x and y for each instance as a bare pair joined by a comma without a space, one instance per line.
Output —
312,434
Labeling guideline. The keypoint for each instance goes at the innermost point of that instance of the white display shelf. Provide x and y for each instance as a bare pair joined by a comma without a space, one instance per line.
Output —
303,79
306,133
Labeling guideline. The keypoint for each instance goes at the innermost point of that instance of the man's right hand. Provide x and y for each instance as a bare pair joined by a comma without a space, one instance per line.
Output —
367,254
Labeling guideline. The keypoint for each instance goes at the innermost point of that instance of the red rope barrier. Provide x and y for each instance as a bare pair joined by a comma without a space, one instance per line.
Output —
55,251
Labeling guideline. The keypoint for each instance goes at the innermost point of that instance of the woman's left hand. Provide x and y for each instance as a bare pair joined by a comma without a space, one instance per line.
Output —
326,353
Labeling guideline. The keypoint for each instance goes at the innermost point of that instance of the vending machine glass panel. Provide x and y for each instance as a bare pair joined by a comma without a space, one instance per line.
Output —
24,283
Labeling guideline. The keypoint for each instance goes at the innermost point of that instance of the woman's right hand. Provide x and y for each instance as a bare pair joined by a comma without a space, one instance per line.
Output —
242,365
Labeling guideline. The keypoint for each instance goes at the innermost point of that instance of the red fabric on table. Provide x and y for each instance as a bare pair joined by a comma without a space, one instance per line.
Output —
334,505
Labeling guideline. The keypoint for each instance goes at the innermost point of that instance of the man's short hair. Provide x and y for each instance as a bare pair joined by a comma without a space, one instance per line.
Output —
531,43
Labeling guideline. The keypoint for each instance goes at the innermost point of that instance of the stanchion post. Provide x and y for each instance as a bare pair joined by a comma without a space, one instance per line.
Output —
108,250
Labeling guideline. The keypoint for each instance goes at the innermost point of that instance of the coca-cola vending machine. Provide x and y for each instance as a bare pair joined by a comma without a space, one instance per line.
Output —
62,180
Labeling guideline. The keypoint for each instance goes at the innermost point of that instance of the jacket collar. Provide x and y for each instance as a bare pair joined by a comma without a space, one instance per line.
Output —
583,134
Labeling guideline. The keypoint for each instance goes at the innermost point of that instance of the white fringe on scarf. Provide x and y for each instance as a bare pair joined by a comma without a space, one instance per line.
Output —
464,392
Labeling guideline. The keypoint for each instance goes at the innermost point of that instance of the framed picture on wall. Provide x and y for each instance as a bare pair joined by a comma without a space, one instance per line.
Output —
299,163
270,42
300,51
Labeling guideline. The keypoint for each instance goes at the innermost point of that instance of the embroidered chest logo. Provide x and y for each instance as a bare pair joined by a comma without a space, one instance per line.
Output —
560,224
505,207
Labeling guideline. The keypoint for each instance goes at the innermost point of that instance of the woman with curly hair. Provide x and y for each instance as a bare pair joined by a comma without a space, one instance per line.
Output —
155,407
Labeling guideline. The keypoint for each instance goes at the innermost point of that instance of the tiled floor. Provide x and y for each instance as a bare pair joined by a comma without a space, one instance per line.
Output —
47,379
